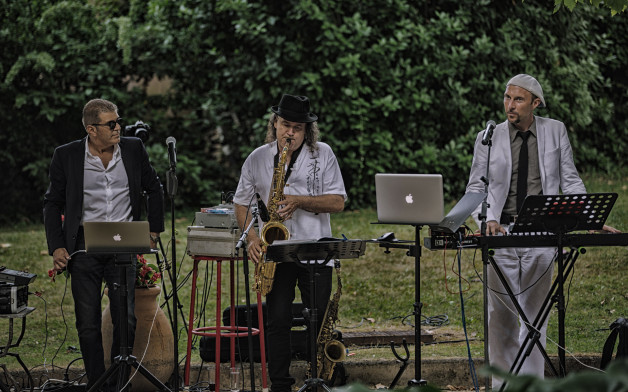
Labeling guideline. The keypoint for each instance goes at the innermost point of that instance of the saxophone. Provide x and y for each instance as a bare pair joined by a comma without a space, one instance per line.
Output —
274,229
330,350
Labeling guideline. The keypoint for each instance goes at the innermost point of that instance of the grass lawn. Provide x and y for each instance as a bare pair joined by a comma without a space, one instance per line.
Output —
378,289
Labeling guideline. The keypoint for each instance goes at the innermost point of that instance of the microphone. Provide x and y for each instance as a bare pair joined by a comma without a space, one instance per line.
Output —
488,132
263,211
172,151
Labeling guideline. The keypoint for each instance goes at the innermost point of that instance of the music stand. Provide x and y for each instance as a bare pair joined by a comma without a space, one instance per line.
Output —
123,361
313,251
558,214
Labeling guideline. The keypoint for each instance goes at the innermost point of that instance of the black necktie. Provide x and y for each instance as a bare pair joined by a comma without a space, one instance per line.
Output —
522,176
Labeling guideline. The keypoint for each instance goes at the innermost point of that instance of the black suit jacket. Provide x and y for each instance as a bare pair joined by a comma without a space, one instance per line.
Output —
65,192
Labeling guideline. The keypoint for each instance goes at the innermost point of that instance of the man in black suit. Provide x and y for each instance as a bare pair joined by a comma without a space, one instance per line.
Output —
98,178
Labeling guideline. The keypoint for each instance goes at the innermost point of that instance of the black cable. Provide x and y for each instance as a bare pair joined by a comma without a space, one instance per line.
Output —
65,290
573,273
432,321
549,266
38,295
435,321
359,324
67,368
199,311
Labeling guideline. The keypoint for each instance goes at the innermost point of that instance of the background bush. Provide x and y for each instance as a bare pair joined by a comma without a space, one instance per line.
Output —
399,85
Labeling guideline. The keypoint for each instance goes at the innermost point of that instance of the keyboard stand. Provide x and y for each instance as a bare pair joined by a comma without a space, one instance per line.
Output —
557,214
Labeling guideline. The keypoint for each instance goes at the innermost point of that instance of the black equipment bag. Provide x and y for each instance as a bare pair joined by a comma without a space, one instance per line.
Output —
619,328
299,337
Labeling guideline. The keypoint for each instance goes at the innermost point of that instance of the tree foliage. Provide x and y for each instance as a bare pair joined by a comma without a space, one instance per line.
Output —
615,6
399,86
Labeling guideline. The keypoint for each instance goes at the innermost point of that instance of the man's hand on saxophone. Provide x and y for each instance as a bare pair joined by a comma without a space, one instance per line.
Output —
253,246
288,206
316,204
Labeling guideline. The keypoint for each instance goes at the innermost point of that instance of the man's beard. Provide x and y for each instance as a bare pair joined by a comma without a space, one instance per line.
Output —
517,120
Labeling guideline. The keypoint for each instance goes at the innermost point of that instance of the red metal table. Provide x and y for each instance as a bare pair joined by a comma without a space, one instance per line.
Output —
232,331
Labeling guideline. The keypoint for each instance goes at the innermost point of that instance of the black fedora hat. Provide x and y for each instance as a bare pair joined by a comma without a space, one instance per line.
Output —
295,108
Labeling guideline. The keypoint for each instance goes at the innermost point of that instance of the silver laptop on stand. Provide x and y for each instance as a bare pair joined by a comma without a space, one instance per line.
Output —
117,237
409,199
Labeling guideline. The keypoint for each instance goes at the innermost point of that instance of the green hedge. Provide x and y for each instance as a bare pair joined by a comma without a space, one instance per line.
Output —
399,85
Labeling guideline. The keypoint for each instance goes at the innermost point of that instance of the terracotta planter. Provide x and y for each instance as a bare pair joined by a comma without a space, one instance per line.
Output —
159,357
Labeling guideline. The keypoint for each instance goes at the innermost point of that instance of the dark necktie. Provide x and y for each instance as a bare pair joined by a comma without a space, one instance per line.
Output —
522,176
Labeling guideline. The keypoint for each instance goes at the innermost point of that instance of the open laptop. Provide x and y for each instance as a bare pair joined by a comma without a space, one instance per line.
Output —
415,199
459,213
117,237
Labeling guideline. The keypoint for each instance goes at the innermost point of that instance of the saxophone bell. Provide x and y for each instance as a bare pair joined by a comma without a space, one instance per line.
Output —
335,351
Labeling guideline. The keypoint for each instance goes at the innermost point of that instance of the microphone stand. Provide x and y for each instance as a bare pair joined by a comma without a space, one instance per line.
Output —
164,266
249,316
167,296
254,214
172,191
482,217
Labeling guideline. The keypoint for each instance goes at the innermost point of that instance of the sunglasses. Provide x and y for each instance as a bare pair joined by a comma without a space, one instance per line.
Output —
111,124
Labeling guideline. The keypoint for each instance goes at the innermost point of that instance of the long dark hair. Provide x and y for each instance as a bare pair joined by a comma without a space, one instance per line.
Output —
311,132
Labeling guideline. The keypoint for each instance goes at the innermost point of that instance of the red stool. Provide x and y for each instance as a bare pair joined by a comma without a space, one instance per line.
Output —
232,331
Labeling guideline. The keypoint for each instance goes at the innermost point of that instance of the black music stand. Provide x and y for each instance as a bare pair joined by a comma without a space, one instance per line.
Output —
561,214
314,251
557,214
122,362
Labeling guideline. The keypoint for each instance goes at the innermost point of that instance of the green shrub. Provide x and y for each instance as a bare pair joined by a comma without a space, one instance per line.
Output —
399,86
614,378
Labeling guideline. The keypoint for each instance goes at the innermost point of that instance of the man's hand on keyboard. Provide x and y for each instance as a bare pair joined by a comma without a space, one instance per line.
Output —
493,228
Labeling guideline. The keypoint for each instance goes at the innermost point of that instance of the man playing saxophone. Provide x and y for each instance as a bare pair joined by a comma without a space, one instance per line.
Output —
312,189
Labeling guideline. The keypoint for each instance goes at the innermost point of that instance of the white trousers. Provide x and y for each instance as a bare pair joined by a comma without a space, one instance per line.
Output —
528,272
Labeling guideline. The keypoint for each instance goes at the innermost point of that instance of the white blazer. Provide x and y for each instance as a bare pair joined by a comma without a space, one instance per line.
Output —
558,171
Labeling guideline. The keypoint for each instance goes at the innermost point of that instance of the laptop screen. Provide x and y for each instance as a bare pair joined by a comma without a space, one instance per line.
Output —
459,213
415,199
117,237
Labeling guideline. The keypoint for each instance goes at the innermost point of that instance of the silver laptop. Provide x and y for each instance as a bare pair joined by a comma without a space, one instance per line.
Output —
117,237
415,199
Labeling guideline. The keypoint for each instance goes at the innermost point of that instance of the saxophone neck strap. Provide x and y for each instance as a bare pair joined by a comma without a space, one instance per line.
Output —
293,158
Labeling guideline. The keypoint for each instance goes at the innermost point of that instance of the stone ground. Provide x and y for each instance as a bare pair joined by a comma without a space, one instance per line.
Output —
448,374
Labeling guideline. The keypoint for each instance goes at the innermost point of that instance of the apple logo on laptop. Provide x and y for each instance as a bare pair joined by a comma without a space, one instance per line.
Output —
409,198
117,237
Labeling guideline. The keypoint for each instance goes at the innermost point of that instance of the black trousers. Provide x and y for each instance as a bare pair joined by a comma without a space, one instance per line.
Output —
279,306
87,274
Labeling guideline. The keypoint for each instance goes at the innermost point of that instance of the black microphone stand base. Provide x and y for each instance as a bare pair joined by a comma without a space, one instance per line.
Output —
313,383
121,363
416,383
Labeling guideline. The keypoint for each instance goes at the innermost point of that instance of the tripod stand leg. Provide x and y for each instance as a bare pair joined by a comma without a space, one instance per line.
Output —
313,384
112,369
550,300
122,362
149,376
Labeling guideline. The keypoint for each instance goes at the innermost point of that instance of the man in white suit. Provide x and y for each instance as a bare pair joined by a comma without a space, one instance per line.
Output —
550,169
